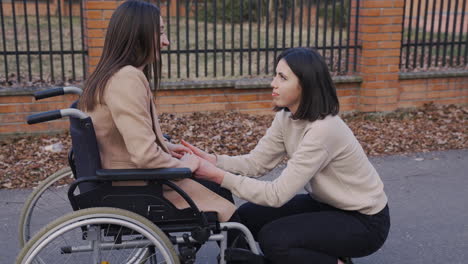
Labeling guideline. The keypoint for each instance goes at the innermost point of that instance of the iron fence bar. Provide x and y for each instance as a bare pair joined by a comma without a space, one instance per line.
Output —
259,13
401,64
356,35
178,36
276,32
325,20
232,38
20,52
39,48
187,37
83,58
461,35
261,49
13,9
340,40
426,44
453,32
250,38
215,39
447,20
72,41
317,11
426,9
408,38
168,33
292,23
241,24
438,33
301,4
224,38
49,26
431,37
309,7
284,24
28,48
332,58
61,39
348,34
5,57
466,51
267,34
416,37
196,39
206,37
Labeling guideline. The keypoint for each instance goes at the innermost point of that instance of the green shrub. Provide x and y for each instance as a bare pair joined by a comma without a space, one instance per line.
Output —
233,9
339,17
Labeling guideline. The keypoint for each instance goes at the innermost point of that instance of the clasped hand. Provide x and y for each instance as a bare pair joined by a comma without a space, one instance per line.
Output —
205,164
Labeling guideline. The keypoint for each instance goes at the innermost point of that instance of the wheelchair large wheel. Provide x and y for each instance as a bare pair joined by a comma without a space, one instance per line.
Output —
46,203
99,235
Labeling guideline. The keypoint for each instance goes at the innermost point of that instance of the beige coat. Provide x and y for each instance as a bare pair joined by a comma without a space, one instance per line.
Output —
129,136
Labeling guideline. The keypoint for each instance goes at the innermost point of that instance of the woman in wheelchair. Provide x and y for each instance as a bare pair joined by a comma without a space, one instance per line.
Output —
344,213
118,99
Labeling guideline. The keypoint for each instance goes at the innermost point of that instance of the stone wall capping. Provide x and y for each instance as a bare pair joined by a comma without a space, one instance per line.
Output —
433,74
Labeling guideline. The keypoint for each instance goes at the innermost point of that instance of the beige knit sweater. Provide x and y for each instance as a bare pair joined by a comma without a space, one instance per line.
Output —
325,158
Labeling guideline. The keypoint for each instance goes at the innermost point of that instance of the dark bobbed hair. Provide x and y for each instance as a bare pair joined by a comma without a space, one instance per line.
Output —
132,38
318,96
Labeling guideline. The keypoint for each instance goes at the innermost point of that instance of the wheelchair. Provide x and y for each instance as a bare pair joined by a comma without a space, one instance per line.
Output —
120,224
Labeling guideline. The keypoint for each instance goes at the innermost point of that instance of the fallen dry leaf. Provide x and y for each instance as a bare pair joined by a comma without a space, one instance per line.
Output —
24,161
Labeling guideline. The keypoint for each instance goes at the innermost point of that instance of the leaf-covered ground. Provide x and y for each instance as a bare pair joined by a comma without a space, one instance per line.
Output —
25,161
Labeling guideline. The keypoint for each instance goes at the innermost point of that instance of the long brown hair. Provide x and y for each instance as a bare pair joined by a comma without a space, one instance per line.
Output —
132,38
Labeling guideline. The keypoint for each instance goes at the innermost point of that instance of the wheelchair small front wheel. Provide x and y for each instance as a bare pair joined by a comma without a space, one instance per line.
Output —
99,235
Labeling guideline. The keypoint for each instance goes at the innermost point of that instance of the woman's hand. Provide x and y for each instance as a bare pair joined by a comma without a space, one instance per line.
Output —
177,150
190,161
207,171
200,153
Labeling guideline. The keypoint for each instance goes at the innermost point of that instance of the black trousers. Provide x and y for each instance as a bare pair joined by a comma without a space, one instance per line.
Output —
307,231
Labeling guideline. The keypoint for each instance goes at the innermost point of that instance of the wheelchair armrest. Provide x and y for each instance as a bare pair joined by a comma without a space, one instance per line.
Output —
144,174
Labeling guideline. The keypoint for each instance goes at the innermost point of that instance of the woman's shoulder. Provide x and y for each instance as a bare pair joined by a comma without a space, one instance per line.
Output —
128,81
129,70
329,126
128,74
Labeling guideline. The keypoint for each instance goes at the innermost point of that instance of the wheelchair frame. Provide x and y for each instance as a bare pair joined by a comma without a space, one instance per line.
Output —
201,230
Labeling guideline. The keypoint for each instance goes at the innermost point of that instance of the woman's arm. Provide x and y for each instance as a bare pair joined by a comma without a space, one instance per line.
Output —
306,162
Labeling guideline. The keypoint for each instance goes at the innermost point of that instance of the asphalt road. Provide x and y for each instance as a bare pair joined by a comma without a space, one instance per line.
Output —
428,200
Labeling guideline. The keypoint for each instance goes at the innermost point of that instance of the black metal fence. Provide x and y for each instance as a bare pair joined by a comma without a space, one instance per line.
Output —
42,42
212,39
435,35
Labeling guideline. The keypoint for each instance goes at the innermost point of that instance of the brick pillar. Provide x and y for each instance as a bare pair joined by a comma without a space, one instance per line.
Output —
97,15
380,35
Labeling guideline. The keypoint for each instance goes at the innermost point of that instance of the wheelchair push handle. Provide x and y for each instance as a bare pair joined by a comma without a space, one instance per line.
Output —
55,114
57,91
44,117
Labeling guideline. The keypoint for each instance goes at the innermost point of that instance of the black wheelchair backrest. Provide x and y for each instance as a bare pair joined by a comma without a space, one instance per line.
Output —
85,148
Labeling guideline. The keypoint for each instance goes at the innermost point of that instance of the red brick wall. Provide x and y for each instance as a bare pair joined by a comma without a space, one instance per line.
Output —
15,108
416,92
